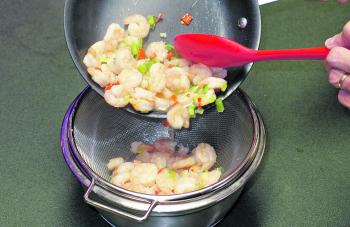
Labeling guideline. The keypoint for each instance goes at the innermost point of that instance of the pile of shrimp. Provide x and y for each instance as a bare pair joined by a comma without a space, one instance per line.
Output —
160,169
151,79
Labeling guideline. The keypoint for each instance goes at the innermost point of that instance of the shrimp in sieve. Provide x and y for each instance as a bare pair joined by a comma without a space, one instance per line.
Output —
205,155
144,174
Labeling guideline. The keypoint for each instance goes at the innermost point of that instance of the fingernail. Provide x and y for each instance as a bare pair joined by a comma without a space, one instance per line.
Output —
329,42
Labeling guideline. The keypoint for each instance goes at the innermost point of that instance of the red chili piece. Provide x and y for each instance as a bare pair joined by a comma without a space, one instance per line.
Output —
110,85
186,19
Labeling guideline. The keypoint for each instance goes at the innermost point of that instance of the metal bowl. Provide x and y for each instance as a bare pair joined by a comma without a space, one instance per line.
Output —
119,208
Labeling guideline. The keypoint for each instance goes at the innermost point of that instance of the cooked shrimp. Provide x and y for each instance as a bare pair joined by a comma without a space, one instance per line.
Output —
166,180
118,95
91,61
114,33
219,72
139,147
125,167
157,50
157,77
166,93
102,78
144,174
138,25
130,77
141,93
177,80
123,59
205,155
184,163
205,99
161,104
199,72
114,163
160,159
207,178
184,99
165,145
214,83
121,178
178,62
142,105
178,117
144,157
186,184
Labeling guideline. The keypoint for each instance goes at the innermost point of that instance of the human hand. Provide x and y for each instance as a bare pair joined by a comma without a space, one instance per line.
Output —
337,64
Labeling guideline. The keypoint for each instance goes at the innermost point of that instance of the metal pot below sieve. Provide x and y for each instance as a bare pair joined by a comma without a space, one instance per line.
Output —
126,209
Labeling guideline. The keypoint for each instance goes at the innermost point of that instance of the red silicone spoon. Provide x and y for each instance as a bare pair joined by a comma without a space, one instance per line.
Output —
217,51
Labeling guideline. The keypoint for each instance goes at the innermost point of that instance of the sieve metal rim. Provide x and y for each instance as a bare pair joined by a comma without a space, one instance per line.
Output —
223,183
162,207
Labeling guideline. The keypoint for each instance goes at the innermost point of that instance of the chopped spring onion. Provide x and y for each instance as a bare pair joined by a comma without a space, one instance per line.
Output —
104,60
219,105
145,67
152,20
136,47
172,174
223,87
205,89
200,111
191,110
163,35
194,88
169,47
127,98
221,169
211,99
142,68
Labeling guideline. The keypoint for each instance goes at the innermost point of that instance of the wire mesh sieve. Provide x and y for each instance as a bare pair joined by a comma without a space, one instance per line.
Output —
100,132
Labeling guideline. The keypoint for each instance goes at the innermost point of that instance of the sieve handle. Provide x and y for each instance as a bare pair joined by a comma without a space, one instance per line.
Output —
114,210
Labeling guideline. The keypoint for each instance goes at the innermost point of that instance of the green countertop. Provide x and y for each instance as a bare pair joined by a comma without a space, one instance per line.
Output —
304,179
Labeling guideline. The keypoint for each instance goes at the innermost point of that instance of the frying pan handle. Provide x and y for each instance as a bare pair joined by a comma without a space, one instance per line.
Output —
114,210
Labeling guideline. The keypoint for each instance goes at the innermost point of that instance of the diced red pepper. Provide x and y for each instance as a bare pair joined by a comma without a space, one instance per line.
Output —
160,18
142,54
173,100
110,85
170,55
199,103
186,19
160,170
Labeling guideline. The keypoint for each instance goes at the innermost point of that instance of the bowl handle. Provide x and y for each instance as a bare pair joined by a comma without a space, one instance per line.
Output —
114,210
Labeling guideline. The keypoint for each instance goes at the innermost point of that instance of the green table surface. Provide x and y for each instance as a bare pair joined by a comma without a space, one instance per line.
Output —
304,178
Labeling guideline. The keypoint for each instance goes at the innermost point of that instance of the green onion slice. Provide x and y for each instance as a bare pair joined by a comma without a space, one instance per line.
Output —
152,21
219,105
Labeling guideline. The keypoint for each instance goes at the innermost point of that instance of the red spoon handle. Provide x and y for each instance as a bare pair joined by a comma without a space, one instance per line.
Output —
316,53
